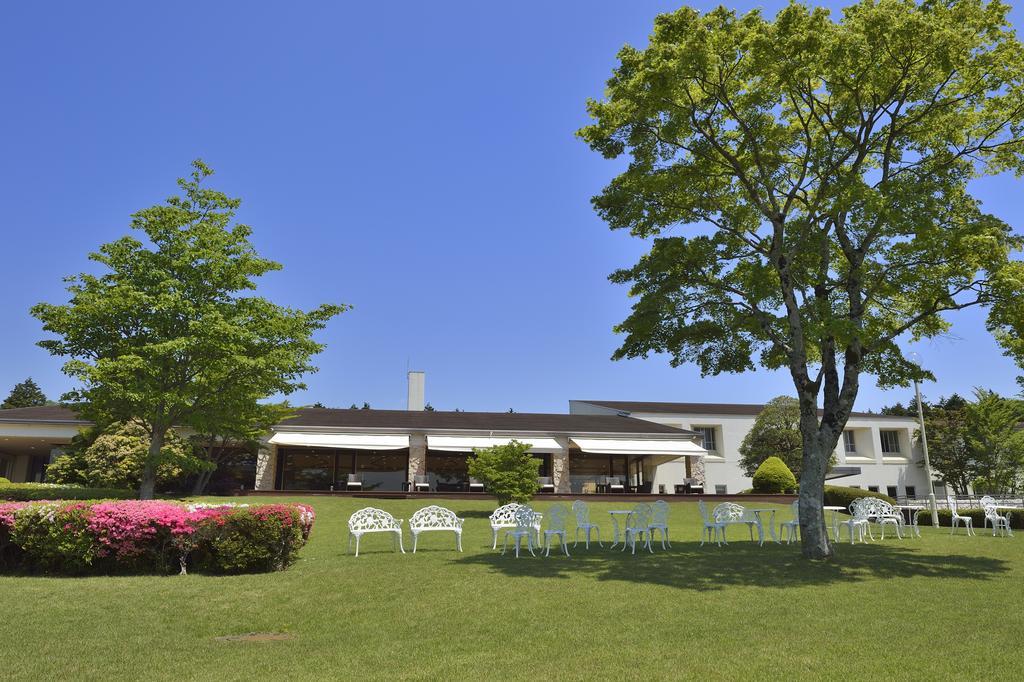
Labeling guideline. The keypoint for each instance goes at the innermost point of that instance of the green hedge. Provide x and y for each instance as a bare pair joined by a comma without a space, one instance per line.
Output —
841,496
28,492
977,516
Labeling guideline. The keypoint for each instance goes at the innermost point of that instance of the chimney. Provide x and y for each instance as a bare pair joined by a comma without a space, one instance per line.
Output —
416,391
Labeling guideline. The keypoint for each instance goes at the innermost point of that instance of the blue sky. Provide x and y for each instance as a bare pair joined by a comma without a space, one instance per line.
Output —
415,160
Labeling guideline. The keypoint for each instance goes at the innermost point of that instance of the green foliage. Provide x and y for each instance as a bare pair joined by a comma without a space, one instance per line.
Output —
996,440
55,537
775,433
114,457
508,472
247,542
977,516
25,394
28,492
4,481
949,446
193,347
773,476
842,496
803,183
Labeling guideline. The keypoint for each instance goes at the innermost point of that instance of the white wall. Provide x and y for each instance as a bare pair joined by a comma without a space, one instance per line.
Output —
723,467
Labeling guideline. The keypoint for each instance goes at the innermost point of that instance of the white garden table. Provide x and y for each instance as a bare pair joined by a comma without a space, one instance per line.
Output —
912,510
760,524
615,514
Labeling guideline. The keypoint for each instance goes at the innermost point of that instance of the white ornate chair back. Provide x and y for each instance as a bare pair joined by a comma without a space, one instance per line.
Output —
986,501
951,501
582,512
434,516
659,513
795,508
640,517
505,514
728,511
371,518
557,515
524,519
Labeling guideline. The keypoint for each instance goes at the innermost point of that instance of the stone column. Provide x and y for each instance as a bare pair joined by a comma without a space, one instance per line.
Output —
697,470
417,455
560,467
266,467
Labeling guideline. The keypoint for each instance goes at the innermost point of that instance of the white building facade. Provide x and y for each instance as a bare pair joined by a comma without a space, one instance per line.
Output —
881,449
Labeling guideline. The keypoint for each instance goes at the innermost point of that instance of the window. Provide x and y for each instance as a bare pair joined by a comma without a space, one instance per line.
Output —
720,490
708,433
891,491
873,488
911,492
849,442
890,442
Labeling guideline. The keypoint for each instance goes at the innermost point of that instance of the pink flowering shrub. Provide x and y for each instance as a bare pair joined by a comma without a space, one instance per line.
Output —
150,536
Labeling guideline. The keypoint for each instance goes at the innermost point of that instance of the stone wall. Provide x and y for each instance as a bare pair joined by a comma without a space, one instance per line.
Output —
417,455
560,467
266,466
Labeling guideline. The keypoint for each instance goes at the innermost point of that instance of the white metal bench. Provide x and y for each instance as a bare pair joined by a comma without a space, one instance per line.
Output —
505,517
373,520
884,514
435,518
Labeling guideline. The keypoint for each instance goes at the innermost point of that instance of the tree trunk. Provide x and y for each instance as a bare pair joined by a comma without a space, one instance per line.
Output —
156,444
202,480
813,526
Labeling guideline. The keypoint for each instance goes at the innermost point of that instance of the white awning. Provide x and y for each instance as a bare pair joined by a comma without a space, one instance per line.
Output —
355,441
467,443
618,446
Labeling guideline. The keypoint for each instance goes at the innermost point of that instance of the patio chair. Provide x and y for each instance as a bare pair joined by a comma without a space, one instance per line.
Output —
435,518
354,482
475,486
526,522
582,511
732,514
558,514
985,502
372,520
420,483
710,525
638,527
545,484
858,521
956,518
999,523
790,530
613,484
505,517
659,522
884,514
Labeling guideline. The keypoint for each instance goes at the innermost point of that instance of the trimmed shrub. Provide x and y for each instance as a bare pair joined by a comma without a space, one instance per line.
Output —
73,538
22,492
842,496
773,476
4,481
977,517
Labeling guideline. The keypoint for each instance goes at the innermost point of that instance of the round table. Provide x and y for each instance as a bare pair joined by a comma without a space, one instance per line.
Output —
615,514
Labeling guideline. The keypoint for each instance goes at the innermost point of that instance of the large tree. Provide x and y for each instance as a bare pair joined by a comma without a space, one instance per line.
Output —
171,331
804,184
775,433
24,394
996,441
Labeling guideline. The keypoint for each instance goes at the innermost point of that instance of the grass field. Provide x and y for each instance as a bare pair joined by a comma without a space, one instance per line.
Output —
937,607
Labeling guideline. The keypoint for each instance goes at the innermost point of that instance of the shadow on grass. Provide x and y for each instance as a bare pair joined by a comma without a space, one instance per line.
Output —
689,566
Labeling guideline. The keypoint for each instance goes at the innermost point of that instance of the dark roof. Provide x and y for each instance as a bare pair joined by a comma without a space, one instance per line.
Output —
742,409
45,413
477,421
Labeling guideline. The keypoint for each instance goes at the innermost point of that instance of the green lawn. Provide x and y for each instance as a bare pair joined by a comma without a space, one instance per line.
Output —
937,607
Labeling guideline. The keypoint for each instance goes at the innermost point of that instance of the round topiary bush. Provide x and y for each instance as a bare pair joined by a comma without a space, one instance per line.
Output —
773,476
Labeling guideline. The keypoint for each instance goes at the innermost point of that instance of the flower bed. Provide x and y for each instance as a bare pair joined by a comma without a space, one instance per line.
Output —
152,536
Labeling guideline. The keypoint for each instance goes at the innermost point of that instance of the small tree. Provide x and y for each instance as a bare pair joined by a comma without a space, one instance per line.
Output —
776,433
509,472
170,331
115,457
773,476
231,429
996,440
25,394
949,447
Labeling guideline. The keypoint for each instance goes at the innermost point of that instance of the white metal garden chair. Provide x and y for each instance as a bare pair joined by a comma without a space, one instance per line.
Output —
711,526
859,521
434,518
526,521
659,522
999,523
884,514
582,512
790,530
956,519
558,516
638,527
373,520
505,517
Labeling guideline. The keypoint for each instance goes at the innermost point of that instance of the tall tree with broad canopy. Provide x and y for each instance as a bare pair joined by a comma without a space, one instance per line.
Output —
170,334
821,168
